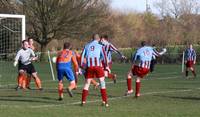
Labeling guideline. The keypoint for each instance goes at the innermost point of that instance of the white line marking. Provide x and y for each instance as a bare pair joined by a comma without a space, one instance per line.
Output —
114,98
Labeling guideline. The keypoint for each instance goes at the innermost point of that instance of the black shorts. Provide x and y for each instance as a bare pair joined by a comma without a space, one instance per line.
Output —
19,65
27,68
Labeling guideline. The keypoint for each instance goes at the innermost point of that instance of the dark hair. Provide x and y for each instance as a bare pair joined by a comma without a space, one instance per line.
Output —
29,39
67,45
24,41
105,37
143,43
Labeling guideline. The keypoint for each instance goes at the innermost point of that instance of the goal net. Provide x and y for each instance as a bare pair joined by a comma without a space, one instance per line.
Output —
12,32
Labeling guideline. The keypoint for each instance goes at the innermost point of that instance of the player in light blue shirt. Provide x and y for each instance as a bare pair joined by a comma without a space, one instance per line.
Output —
140,67
93,53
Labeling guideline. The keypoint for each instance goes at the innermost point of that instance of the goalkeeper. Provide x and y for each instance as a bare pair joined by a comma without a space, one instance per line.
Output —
26,56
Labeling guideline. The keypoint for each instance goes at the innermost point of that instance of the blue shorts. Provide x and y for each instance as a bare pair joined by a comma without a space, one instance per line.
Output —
68,73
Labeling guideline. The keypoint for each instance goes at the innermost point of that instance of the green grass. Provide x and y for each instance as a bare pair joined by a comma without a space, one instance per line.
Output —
165,93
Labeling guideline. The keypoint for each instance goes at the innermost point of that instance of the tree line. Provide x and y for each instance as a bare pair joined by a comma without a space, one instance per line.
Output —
76,20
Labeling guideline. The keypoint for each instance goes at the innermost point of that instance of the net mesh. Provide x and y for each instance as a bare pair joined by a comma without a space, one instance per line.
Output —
10,42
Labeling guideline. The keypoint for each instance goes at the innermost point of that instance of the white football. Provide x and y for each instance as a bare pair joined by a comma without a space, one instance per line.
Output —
164,49
54,59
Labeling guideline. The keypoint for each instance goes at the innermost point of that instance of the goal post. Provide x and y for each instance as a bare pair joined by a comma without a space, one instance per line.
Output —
12,33
23,20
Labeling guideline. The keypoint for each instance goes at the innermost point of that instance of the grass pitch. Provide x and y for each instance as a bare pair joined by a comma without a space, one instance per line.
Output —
164,93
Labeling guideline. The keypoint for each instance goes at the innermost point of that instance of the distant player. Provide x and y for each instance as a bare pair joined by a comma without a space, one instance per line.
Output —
26,56
140,67
64,61
190,60
109,49
94,53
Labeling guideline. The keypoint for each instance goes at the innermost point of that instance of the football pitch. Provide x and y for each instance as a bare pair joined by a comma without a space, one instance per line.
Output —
164,93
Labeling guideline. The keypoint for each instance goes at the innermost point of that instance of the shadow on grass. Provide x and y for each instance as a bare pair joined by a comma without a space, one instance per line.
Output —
180,97
27,100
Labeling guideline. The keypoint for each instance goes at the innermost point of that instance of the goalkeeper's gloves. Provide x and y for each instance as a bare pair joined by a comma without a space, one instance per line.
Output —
163,51
15,63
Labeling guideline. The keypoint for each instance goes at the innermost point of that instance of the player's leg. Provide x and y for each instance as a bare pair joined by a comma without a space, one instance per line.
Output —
99,73
141,73
20,76
22,79
32,71
37,80
60,84
70,76
19,81
103,91
113,77
129,84
28,80
110,75
60,90
137,87
193,71
187,68
85,90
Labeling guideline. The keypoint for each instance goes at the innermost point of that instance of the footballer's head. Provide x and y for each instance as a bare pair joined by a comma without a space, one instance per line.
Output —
67,45
96,37
30,41
105,37
143,43
25,44
190,46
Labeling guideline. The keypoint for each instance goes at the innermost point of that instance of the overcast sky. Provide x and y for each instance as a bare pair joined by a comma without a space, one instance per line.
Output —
132,5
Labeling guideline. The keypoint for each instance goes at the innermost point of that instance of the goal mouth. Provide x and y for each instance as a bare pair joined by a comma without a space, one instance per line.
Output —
12,32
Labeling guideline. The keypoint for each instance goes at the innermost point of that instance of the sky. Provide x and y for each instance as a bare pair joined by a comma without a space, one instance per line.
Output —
133,5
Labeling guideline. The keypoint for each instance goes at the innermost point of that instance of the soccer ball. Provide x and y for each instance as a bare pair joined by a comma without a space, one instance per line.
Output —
54,59
164,49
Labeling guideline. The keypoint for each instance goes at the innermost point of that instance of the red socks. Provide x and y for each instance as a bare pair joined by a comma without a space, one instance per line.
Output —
137,87
129,84
104,95
84,95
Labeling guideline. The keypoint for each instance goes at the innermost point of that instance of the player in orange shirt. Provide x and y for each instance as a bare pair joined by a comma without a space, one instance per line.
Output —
63,66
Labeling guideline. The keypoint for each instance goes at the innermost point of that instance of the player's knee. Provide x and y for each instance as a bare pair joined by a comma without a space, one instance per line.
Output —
129,76
138,80
21,72
103,84
87,84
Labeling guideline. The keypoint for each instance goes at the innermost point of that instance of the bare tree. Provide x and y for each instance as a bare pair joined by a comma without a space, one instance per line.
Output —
176,8
58,19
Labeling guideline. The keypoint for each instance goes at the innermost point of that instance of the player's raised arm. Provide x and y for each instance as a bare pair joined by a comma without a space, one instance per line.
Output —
156,53
114,49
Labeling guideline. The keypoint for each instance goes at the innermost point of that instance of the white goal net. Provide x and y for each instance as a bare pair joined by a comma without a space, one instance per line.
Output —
12,32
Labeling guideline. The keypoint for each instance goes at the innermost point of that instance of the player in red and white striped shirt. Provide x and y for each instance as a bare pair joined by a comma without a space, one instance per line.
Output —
141,66
109,49
93,53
